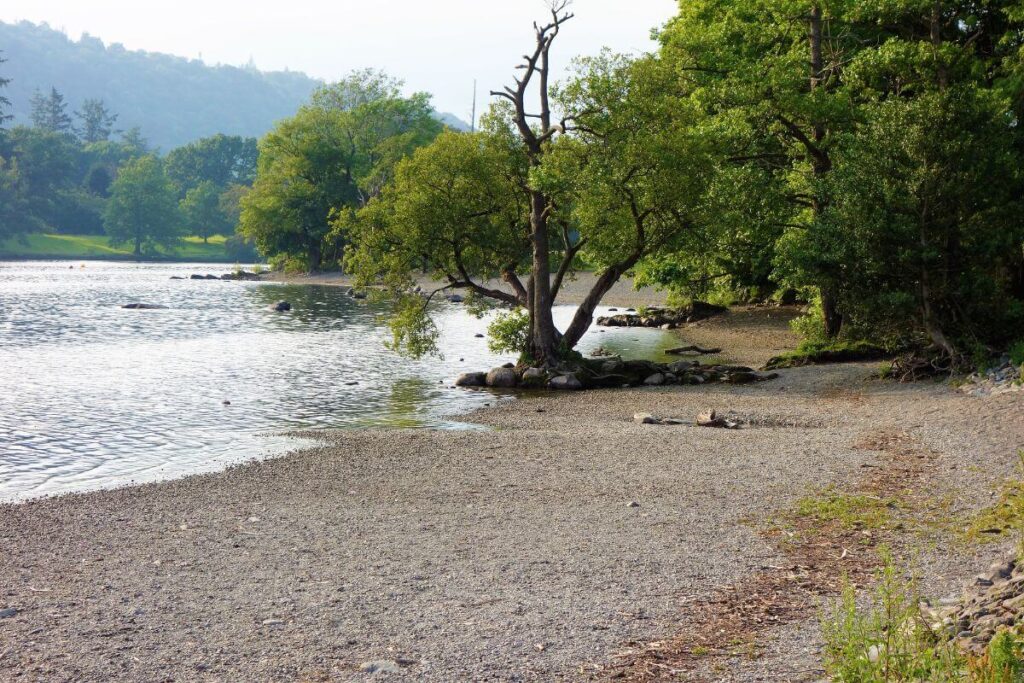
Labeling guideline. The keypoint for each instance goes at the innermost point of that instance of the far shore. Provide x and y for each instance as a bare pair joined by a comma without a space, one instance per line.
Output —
547,547
623,294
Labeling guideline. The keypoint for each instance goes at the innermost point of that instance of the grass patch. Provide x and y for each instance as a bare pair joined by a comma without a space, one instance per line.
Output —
846,510
817,353
53,246
888,641
1006,516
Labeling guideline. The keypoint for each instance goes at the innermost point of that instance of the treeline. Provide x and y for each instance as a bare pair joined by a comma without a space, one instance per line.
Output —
863,156
176,100
76,173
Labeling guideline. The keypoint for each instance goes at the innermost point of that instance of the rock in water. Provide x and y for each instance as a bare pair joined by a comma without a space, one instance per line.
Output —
455,298
143,307
565,383
472,379
502,378
281,306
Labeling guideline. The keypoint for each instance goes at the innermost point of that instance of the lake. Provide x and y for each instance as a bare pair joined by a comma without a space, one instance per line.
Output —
93,395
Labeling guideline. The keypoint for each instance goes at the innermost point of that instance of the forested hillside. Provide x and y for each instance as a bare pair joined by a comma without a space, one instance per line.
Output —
173,100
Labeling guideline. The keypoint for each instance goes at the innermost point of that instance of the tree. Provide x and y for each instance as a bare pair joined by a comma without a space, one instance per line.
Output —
4,102
15,215
617,180
330,157
134,143
771,75
201,210
97,122
143,208
220,159
49,112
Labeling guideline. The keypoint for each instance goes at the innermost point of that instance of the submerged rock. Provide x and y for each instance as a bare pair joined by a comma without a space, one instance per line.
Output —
281,306
144,307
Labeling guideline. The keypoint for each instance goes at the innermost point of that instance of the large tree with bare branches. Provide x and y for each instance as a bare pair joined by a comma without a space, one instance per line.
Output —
601,169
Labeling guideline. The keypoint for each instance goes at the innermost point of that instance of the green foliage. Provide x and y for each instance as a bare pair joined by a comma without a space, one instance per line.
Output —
887,642
222,160
50,112
143,209
1006,516
463,189
413,332
325,161
4,102
886,176
175,100
815,352
848,510
97,122
51,246
201,210
1017,353
509,332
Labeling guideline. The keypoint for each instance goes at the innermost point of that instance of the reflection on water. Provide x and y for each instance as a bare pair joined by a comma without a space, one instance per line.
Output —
93,395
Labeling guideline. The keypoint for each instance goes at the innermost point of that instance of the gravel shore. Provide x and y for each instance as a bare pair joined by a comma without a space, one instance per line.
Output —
531,550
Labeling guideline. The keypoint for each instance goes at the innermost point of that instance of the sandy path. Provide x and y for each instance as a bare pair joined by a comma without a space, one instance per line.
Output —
504,555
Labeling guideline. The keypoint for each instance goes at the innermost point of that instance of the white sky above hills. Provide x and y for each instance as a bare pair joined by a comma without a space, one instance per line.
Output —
439,46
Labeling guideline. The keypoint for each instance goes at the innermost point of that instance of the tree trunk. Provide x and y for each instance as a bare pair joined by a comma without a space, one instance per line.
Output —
584,317
830,312
821,164
544,341
315,258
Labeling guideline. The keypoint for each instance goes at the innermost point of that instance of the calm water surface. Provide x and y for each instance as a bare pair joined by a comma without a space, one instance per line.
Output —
93,395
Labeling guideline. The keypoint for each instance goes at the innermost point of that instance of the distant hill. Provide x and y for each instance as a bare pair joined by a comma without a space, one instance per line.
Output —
174,100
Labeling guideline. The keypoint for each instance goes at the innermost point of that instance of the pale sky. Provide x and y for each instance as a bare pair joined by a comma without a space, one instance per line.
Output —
435,45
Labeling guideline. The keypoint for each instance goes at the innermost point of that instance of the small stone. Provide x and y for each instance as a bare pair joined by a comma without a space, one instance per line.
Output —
8,612
385,666
273,622
632,504
982,580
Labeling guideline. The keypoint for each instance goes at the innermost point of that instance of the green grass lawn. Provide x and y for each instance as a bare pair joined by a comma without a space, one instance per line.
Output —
40,246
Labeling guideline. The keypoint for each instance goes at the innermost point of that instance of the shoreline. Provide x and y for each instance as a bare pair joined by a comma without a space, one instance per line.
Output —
511,553
573,291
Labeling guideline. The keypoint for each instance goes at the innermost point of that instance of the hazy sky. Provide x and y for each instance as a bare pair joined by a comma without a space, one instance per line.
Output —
435,45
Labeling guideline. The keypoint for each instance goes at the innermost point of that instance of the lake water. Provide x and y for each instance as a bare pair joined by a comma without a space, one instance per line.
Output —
93,395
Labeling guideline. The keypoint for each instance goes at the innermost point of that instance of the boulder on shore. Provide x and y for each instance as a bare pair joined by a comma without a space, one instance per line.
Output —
472,379
565,383
502,378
